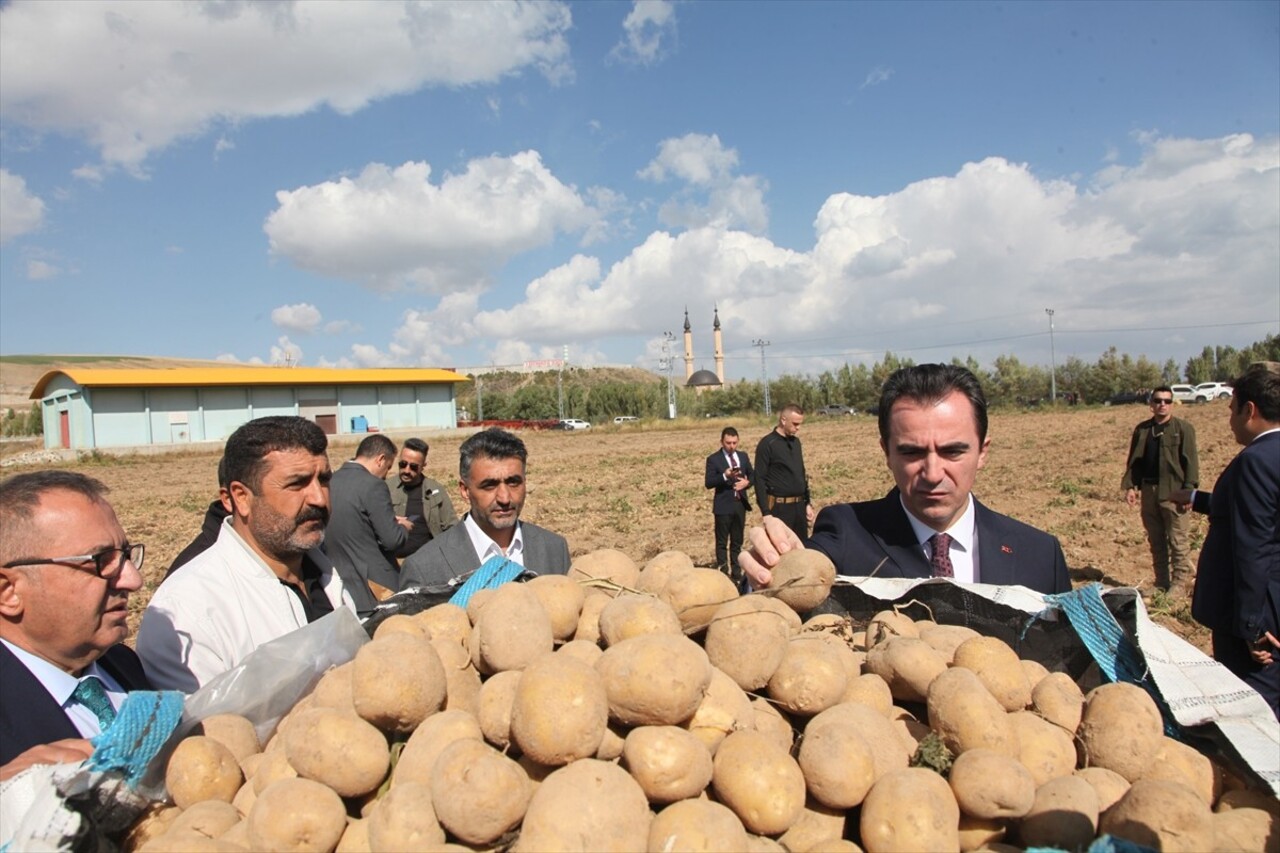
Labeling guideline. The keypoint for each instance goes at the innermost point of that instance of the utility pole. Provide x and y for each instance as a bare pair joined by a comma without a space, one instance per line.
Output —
1053,366
764,374
666,364
479,399
560,383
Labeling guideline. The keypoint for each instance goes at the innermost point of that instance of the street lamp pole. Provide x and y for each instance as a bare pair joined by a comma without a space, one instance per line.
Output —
1053,362
667,362
764,375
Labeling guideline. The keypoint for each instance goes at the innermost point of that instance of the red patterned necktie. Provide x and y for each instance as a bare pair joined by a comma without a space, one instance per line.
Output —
941,560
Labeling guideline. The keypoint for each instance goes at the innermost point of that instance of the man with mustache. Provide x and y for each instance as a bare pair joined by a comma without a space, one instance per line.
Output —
265,575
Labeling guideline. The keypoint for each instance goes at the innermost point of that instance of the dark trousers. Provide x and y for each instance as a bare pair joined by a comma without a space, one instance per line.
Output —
1233,653
729,530
793,516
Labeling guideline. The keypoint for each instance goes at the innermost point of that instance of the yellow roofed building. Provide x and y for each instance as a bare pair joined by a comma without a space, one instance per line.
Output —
95,408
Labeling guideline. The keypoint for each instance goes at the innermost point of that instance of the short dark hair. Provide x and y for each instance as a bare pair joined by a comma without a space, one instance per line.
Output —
791,407
248,446
375,445
492,443
417,445
21,494
728,431
930,383
1260,385
1160,388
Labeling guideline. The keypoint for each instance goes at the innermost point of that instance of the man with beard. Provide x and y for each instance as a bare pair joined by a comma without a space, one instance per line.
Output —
265,575
420,499
491,476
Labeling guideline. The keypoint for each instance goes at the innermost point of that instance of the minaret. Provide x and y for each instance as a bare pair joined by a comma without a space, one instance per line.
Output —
719,346
688,346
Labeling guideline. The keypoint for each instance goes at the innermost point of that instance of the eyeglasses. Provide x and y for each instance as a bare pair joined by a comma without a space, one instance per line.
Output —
412,466
1161,401
107,563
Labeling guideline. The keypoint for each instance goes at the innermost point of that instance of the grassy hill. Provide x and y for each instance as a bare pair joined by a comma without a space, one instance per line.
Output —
19,373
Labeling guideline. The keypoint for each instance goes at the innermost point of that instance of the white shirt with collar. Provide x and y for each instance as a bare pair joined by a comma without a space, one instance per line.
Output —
61,684
964,541
487,548
212,613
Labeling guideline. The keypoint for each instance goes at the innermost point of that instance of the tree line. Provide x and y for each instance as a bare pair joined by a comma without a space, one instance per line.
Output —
1007,381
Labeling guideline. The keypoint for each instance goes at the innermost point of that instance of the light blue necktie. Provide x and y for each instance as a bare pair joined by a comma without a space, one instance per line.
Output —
91,694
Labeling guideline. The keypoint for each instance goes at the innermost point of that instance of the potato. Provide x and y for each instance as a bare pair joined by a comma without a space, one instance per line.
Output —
810,679
1048,751
446,622
237,835
696,595
771,723
338,749
911,732
611,744
511,630
945,639
404,821
210,818
234,732
587,805
747,639
851,661
186,841
1064,815
589,622
699,825
404,624
632,614
559,710
908,665
152,823
333,690
462,689
998,667
871,690
725,709
476,603
1245,829
478,793
802,579
1034,671
654,679
655,573
1120,729
497,696
201,768
397,681
562,598
1249,798
244,799
979,833
889,623
1161,815
607,564
1177,762
437,732
274,767
876,729
587,652
816,827
761,784
991,786
910,810
669,763
356,837
296,815
1058,699
761,844
1109,785
967,716
839,765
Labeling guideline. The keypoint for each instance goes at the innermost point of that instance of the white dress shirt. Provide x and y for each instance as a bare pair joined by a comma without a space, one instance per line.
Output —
964,542
486,547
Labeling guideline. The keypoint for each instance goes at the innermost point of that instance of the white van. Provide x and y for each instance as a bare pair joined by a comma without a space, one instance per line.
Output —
624,419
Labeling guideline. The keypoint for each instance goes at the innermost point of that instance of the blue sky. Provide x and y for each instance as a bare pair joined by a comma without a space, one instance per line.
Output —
473,183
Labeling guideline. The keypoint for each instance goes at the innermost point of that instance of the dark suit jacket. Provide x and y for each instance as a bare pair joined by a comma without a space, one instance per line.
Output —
723,502
1238,576
858,536
29,716
451,555
362,535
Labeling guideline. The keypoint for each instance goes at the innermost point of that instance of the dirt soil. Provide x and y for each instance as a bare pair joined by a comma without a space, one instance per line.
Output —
639,487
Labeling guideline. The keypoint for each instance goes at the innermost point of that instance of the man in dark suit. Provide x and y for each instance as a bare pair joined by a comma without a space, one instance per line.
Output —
66,572
1237,591
491,476
933,430
729,473
364,532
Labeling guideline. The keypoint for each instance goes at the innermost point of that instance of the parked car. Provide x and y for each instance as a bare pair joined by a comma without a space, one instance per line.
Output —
836,409
1126,397
1183,393
625,419
572,423
1207,391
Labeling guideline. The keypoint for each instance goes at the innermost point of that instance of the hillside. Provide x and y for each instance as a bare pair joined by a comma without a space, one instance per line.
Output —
19,373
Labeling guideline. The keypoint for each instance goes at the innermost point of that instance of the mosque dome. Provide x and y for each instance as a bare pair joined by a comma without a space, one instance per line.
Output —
702,378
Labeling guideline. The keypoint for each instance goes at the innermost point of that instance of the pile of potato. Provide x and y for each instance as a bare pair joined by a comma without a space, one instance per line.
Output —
620,708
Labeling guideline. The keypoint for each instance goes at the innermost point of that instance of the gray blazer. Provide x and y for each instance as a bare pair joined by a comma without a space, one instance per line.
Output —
451,555
362,535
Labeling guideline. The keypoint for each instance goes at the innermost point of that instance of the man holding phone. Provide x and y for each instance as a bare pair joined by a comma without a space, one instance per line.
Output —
420,499
729,474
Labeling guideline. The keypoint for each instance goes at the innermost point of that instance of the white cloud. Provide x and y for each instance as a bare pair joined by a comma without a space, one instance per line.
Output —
286,351
715,195
340,327
38,270
647,32
147,74
876,76
21,212
302,318
389,228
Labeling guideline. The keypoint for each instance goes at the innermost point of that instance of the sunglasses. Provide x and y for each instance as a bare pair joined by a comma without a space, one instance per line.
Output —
412,466
1161,401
